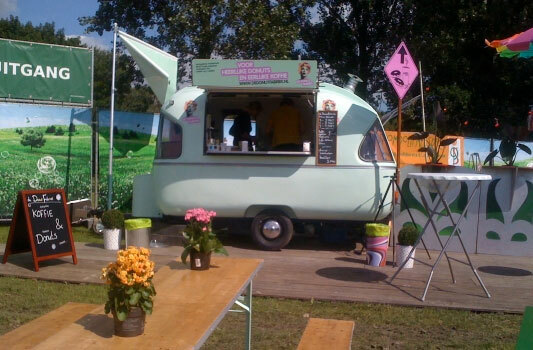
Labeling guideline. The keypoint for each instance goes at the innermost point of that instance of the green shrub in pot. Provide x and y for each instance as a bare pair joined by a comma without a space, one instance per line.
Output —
408,235
113,219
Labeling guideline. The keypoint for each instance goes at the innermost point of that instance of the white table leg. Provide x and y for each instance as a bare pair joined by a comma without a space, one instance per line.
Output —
430,214
476,189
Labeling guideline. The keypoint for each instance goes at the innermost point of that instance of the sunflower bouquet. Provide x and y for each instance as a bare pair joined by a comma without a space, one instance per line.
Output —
130,282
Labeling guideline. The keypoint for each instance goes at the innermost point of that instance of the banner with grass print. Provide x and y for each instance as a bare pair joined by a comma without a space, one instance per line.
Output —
43,147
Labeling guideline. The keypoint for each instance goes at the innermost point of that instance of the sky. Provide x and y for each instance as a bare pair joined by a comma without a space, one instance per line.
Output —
64,13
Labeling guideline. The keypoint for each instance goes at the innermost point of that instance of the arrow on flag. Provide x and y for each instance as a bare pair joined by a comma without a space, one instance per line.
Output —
402,52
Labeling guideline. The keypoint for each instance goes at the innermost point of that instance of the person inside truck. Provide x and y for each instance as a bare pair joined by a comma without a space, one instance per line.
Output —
242,125
285,127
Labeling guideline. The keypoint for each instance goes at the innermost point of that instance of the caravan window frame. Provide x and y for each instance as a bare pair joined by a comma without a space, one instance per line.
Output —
262,95
376,134
178,144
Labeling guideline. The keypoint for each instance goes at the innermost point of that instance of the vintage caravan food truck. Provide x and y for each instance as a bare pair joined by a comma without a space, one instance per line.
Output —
338,171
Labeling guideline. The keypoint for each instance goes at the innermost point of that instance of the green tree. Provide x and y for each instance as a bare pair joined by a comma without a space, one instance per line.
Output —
59,131
12,28
32,138
206,28
354,37
130,95
469,80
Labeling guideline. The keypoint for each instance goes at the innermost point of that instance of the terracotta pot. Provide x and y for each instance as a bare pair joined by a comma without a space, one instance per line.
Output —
200,261
133,325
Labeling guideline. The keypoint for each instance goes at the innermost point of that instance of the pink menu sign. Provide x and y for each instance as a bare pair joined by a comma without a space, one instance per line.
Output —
401,70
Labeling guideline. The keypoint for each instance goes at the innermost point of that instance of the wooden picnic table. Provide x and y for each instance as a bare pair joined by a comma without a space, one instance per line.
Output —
187,308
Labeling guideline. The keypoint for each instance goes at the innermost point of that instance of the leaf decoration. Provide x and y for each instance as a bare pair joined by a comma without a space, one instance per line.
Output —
490,156
493,235
459,203
494,211
429,150
446,231
419,135
447,142
525,212
519,237
410,200
524,148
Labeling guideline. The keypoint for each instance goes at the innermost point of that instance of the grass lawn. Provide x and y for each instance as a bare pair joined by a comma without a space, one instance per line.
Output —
279,323
81,234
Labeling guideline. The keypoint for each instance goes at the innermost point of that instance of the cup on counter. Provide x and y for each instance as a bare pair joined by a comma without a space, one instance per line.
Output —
307,146
244,146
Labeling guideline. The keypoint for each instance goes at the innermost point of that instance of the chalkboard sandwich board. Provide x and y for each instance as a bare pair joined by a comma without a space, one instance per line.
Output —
326,138
41,225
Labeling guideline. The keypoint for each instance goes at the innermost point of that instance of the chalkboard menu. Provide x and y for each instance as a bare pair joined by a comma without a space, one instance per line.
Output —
326,134
41,225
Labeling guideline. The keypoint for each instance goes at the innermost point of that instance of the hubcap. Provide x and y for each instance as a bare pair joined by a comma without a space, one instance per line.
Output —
271,229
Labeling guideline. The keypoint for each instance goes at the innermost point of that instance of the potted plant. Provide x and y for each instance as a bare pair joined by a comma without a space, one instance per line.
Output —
131,290
407,237
113,221
435,145
201,241
508,150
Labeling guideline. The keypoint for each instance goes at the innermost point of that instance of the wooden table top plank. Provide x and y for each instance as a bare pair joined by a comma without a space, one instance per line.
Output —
187,308
48,325
319,332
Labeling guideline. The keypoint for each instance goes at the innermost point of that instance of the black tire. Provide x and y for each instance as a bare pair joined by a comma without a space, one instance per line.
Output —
272,243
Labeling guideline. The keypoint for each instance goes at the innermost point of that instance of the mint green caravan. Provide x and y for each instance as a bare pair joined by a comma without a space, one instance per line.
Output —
338,172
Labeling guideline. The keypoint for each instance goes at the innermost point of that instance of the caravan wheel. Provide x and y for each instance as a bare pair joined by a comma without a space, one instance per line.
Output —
271,230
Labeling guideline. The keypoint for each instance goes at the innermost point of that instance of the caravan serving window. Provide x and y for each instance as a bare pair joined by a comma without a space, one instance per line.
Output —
375,147
170,139
271,123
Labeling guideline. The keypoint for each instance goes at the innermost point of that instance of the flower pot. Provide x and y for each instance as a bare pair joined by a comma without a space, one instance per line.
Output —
402,253
377,243
376,251
112,239
200,261
133,325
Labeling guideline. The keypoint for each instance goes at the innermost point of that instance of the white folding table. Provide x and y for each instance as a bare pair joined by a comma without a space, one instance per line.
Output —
440,183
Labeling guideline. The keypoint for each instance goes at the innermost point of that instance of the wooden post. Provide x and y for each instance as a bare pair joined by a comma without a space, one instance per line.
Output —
399,141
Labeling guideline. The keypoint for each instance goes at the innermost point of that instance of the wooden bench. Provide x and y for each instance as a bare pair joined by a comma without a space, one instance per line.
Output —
31,333
327,334
525,338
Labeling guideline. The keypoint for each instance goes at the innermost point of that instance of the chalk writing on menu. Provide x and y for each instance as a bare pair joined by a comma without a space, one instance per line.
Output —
327,138
48,220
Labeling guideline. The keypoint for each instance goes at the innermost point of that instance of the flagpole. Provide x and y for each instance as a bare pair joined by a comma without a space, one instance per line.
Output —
423,108
399,140
422,97
111,122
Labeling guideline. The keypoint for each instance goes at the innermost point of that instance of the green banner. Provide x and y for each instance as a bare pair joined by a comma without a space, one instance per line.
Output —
45,72
259,74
